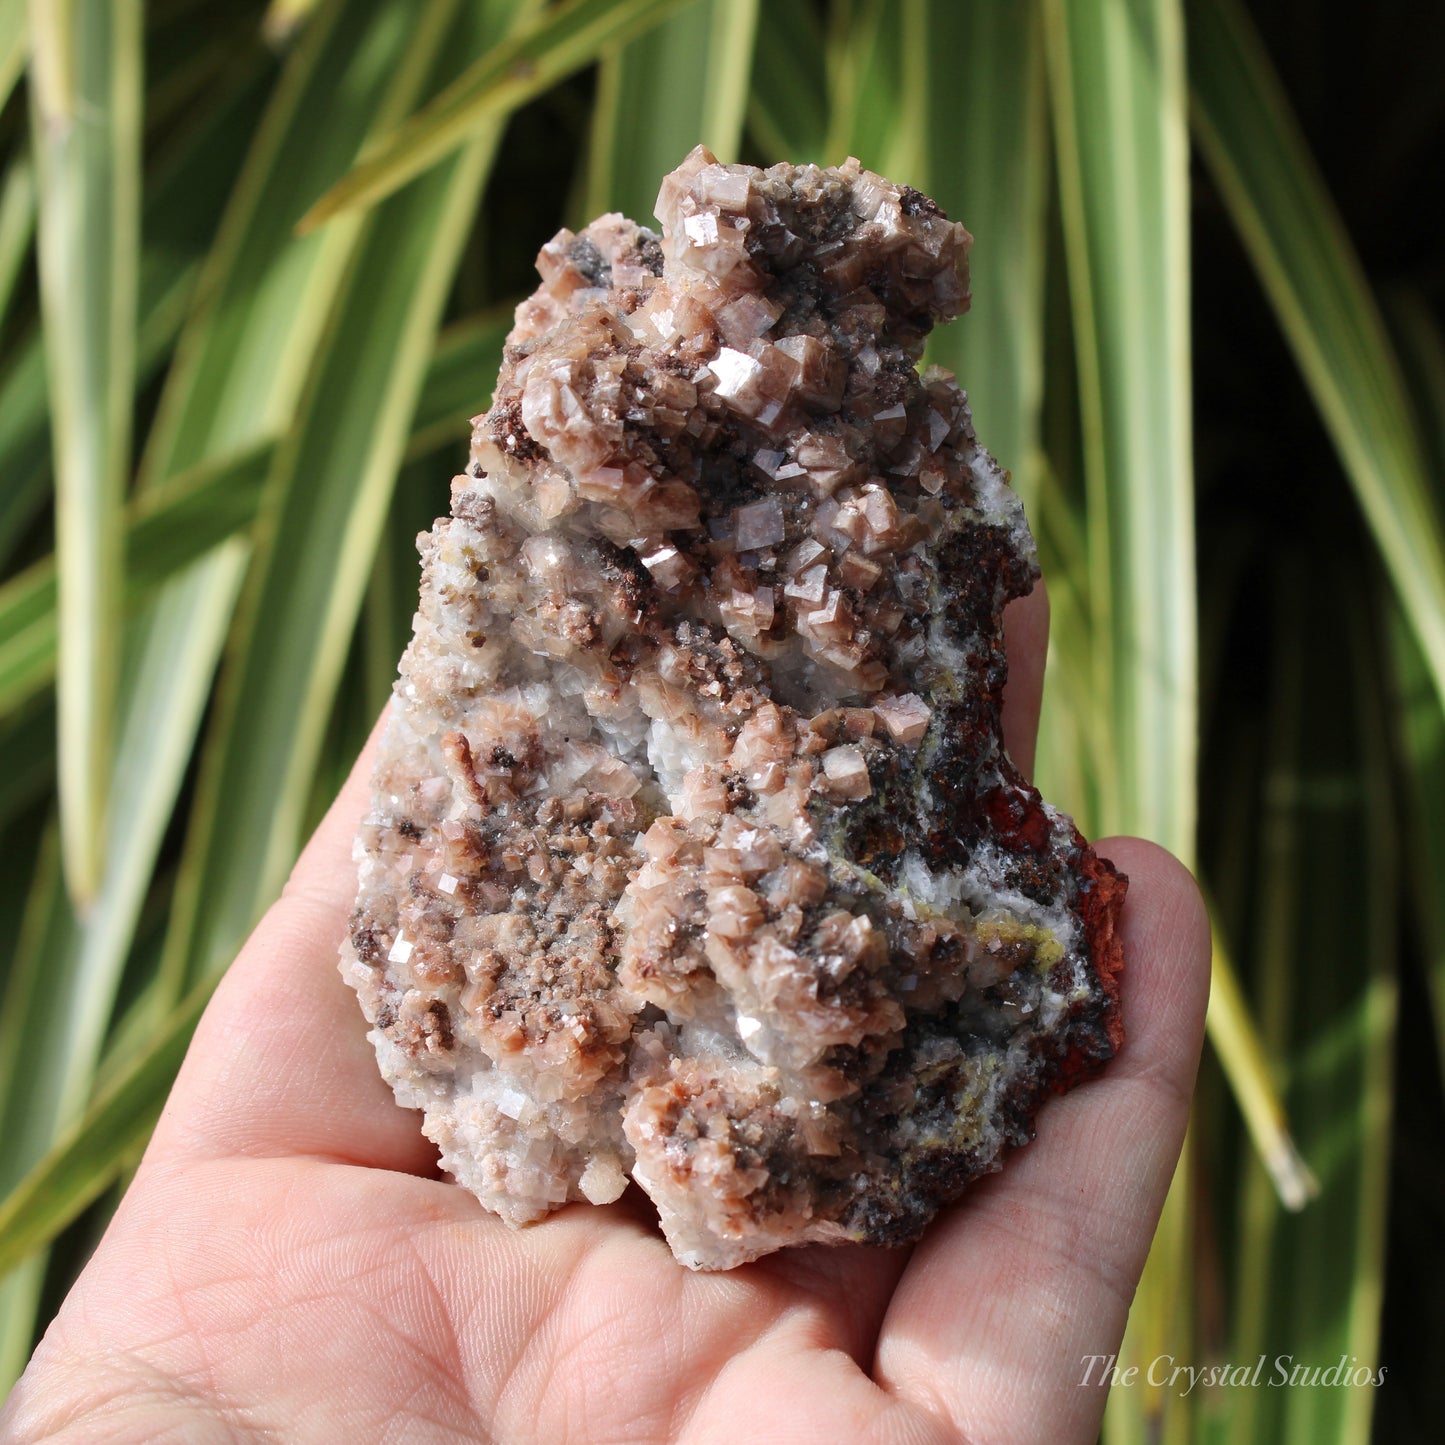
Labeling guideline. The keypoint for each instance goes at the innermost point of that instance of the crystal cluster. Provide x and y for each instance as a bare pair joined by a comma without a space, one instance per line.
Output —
694,854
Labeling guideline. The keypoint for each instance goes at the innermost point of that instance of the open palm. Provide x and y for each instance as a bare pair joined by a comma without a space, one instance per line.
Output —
289,1266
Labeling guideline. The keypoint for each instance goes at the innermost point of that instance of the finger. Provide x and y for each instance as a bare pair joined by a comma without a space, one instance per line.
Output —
1034,1271
280,1063
1026,639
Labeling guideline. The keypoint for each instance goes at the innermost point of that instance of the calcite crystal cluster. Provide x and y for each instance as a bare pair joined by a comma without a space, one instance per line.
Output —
694,854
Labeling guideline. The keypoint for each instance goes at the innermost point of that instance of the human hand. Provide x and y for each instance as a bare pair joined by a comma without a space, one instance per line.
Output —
289,1265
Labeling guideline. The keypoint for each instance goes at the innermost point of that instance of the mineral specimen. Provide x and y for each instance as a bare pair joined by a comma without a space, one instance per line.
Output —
694,853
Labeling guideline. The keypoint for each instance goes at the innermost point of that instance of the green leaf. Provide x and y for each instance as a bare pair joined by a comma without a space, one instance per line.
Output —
1304,258
788,102
413,231
20,1288
1421,725
1116,71
86,1159
27,743
462,370
987,164
187,516
17,223
184,195
285,17
1419,715
166,529
908,96
731,41
1309,1285
237,376
1073,727
86,104
326,503
865,83
24,445
14,42
1117,75
19,1304
265,294
682,83
559,42
17,839
1244,1059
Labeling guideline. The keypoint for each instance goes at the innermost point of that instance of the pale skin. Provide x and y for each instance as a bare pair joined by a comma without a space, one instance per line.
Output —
289,1266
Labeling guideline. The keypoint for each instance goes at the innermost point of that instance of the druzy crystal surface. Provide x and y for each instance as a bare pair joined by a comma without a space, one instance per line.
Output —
694,856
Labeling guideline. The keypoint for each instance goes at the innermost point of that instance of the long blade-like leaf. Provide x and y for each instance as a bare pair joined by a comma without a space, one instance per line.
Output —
17,223
181,520
462,369
732,37
86,104
987,164
1307,265
1073,728
178,217
329,497
1420,714
14,41
20,1288
681,83
1308,1285
559,42
27,743
865,84
1241,1050
358,65
86,1158
24,445
788,104
1421,725
1118,80
61,996
1117,73
165,529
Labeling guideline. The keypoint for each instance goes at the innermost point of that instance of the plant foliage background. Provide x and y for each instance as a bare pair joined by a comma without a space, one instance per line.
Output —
256,264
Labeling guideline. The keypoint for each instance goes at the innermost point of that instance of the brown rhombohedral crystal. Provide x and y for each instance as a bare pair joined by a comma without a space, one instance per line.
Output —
694,854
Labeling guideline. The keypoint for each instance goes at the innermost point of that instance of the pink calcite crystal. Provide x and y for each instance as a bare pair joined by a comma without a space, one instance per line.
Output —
694,855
